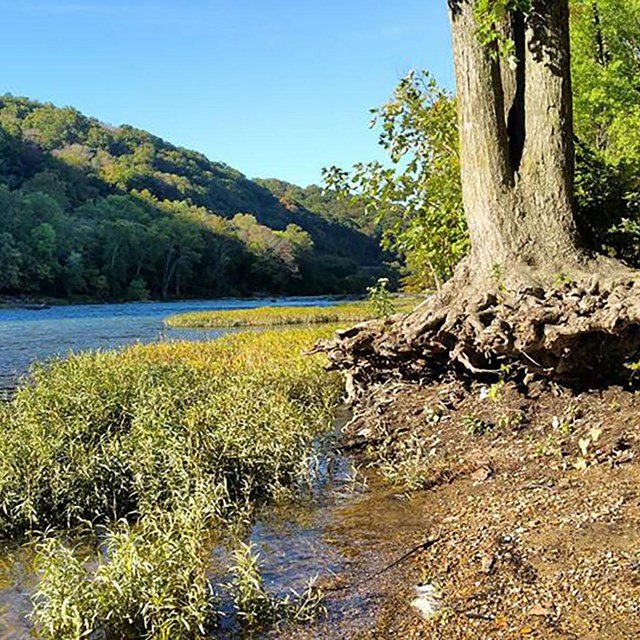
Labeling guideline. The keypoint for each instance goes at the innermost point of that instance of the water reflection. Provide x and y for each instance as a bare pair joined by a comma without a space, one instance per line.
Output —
339,528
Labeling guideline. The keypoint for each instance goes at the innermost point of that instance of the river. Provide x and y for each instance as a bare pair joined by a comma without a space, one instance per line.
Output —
37,334
347,528
351,527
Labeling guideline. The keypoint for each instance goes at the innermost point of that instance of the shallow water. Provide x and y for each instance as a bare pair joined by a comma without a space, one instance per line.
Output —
347,530
27,334
344,527
17,579
351,534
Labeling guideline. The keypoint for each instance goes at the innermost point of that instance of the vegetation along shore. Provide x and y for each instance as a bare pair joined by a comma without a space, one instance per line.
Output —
282,316
508,399
149,453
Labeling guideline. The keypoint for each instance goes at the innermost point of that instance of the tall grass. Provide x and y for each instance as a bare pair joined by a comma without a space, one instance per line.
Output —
150,582
282,316
168,441
99,436
255,607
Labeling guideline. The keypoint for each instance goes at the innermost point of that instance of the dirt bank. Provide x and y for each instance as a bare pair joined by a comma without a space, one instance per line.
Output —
535,498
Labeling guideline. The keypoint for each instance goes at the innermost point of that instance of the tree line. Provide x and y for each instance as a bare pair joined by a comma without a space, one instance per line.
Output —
89,211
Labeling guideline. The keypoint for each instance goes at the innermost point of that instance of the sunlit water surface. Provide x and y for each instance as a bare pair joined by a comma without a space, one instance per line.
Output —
28,334
350,526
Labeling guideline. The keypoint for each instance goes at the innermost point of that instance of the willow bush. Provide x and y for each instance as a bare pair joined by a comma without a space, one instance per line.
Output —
255,606
105,435
171,442
147,581
150,581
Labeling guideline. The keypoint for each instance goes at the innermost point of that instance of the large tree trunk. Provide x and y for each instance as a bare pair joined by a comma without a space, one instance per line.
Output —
516,140
529,297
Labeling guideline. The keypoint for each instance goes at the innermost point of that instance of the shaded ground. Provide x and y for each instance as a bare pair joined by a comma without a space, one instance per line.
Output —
536,501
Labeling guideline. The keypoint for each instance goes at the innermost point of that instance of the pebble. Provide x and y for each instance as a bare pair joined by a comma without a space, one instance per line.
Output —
428,600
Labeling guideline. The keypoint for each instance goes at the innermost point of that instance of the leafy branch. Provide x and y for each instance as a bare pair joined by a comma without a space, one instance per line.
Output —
416,198
490,14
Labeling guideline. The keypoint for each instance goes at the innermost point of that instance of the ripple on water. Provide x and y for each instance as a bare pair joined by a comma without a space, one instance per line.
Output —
27,335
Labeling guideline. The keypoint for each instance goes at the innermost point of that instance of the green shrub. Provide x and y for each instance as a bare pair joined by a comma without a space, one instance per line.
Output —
150,582
380,299
255,606
100,436
171,439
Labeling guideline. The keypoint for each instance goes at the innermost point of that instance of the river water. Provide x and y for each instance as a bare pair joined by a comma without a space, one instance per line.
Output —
345,528
346,532
29,334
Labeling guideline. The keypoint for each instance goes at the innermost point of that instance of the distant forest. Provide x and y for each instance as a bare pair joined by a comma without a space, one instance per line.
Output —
90,211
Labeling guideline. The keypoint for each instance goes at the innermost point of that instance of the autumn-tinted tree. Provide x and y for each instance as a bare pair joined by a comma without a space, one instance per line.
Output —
115,213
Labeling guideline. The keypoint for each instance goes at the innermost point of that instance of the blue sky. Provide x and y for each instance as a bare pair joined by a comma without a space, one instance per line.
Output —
274,88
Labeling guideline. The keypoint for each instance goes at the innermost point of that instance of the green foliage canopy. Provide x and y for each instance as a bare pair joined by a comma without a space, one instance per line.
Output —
416,196
606,73
114,213
417,199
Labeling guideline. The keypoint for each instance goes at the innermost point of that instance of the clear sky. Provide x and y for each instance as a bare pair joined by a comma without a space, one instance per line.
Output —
274,88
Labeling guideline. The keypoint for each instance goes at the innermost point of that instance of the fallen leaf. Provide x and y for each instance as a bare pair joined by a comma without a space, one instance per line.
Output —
539,610
526,631
581,464
595,434
501,622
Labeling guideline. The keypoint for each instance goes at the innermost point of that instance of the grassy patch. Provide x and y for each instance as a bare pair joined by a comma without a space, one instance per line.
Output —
147,581
99,436
283,316
169,442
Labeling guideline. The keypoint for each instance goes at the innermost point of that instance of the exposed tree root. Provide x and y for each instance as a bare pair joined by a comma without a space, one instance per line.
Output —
577,333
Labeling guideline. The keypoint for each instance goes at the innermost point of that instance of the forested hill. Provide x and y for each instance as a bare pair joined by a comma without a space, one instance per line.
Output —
90,210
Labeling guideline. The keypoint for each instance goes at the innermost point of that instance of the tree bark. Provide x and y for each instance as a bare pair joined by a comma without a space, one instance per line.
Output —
516,138
601,53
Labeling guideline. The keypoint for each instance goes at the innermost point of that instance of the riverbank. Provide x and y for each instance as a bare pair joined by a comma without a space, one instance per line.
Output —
528,495
28,335
29,302
44,302
150,453
185,442
534,501
270,316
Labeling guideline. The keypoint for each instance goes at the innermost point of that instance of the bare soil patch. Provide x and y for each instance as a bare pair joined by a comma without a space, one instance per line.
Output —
535,496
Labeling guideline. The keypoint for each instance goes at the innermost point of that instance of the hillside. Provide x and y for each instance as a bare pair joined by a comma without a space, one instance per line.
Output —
93,211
